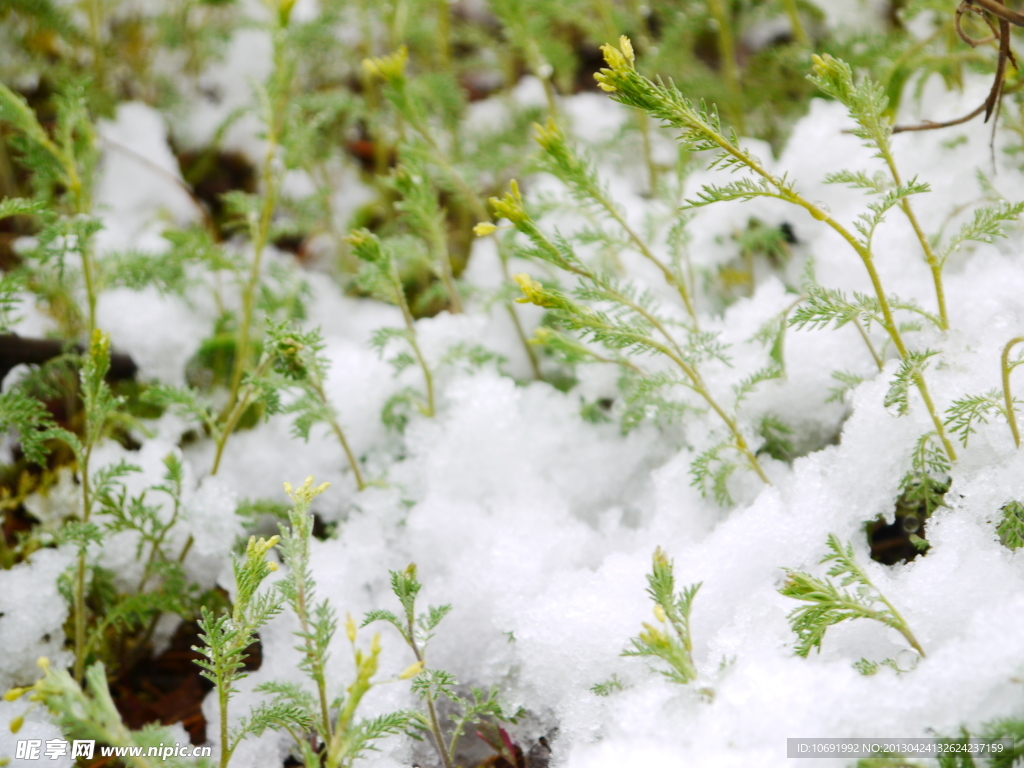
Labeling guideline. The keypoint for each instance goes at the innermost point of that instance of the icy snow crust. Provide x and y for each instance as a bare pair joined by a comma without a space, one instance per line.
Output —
539,526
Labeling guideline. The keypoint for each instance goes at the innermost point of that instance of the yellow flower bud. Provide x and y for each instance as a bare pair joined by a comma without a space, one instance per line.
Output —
388,67
16,723
613,57
14,693
375,644
627,48
350,627
412,670
484,228
271,565
659,613
43,663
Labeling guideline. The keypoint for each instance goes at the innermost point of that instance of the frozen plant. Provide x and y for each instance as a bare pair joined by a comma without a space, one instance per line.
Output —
425,150
64,167
379,277
298,357
828,604
434,685
90,713
702,131
630,320
967,412
670,639
228,637
577,172
322,738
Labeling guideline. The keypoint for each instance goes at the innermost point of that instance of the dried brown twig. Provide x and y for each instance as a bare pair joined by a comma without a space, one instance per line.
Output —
1005,17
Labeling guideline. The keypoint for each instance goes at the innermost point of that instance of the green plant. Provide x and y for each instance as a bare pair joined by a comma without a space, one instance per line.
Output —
90,713
379,277
670,640
828,604
579,175
299,358
631,320
227,637
426,151
434,685
702,130
309,719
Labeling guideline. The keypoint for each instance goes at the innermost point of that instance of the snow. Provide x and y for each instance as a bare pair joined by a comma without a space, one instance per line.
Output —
538,526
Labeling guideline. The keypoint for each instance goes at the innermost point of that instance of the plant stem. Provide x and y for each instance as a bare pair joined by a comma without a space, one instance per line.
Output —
439,246
727,57
786,193
645,134
223,695
444,34
410,325
315,659
870,346
901,625
799,32
934,264
318,388
435,725
80,567
670,276
235,414
1011,415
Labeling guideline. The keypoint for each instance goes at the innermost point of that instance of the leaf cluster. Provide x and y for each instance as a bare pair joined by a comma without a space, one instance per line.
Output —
669,640
828,603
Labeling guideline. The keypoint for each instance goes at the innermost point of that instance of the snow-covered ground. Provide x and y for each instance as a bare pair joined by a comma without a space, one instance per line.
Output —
538,526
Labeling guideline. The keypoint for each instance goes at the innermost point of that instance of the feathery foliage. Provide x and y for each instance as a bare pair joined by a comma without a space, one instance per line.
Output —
828,603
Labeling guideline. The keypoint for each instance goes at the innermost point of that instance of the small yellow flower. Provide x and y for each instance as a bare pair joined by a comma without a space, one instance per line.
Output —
613,57
375,644
390,68
627,48
350,627
15,693
412,670
533,292
659,613
484,228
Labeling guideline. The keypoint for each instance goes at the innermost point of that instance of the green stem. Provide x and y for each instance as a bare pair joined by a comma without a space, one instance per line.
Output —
410,325
870,346
318,388
1011,415
785,192
727,56
669,275
901,625
934,264
435,725
223,695
80,568
316,660
444,34
799,32
645,134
